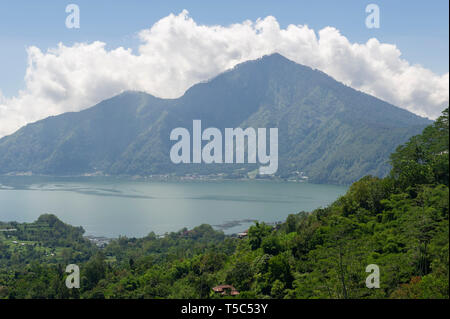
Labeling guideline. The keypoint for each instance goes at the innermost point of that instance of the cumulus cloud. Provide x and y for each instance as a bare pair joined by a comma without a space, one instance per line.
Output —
176,53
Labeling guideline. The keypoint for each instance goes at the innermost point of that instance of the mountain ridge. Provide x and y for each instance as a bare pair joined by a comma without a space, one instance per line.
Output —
328,130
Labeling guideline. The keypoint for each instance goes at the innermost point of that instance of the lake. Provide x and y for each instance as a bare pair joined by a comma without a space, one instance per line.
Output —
111,206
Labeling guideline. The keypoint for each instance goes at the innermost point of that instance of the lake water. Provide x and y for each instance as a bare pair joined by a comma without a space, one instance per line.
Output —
111,207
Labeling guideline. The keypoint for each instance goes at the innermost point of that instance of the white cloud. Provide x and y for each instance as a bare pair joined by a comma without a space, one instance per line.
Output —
176,53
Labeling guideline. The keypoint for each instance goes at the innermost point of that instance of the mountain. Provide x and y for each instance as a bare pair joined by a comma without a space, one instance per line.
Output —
329,131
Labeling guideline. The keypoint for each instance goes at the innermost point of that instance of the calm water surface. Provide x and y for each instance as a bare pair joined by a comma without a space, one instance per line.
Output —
112,207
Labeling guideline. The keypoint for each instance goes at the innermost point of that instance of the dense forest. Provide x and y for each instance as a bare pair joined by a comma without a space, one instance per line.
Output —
399,223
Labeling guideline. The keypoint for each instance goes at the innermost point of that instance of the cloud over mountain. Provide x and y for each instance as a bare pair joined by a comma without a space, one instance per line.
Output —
176,53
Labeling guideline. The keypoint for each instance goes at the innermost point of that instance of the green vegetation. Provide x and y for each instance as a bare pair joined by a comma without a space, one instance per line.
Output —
399,223
329,131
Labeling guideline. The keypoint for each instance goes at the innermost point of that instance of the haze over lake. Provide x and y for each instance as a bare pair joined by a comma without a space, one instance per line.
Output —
111,207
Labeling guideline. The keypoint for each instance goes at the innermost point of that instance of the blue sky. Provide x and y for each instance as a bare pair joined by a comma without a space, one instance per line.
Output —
418,28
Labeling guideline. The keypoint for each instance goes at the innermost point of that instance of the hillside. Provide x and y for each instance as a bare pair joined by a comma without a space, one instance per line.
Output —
399,223
331,132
